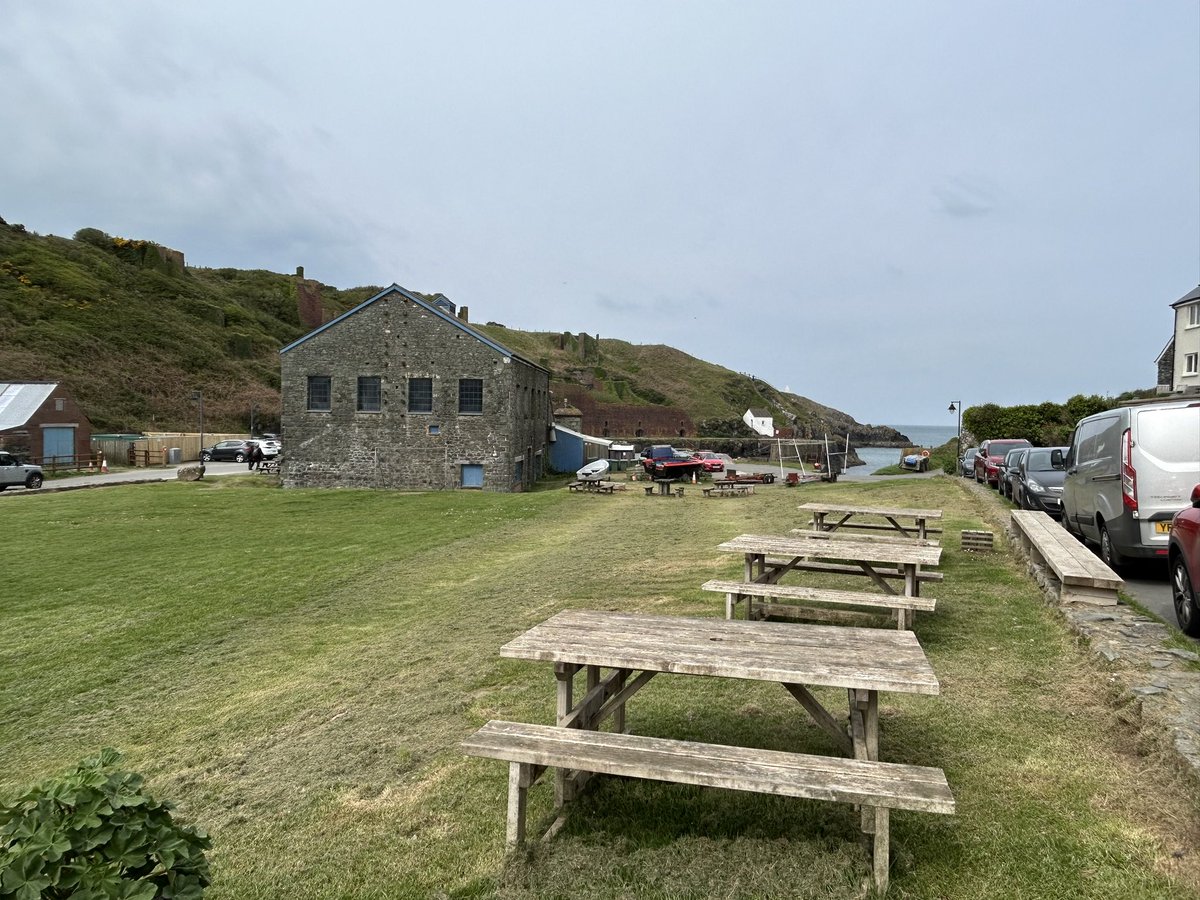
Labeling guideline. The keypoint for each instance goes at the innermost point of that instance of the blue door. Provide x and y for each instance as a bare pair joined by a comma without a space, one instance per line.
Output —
58,444
472,476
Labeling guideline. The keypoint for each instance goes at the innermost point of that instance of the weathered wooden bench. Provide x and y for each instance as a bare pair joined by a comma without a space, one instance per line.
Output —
870,526
738,591
1082,576
868,538
531,749
812,565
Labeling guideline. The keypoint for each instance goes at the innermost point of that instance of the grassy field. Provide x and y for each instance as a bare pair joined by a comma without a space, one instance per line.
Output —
296,670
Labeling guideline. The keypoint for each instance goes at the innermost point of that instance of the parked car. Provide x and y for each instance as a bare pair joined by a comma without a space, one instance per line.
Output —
712,462
1183,556
14,473
1128,471
991,455
1006,470
269,447
1038,480
966,462
238,451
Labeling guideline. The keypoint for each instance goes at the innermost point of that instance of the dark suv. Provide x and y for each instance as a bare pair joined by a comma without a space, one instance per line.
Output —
991,455
238,451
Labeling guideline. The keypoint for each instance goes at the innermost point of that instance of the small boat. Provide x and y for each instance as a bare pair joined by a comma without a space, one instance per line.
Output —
593,471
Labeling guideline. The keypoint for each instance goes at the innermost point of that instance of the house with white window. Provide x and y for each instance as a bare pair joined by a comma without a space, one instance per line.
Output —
760,421
402,393
1179,362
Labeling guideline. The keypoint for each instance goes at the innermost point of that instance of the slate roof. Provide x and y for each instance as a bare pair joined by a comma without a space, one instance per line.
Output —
18,402
1188,298
425,304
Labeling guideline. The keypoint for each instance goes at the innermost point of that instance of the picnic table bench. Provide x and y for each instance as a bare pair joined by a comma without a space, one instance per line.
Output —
269,467
739,591
666,487
824,513
769,557
727,488
878,787
593,487
1083,577
635,648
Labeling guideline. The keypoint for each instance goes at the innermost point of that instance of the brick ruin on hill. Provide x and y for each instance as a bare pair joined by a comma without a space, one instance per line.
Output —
624,420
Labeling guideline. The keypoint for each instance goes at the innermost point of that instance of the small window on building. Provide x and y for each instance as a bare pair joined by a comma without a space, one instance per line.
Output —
1191,364
435,429
420,395
1194,315
60,404
320,393
370,393
470,395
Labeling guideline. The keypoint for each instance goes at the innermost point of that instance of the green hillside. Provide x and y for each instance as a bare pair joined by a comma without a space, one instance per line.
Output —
133,332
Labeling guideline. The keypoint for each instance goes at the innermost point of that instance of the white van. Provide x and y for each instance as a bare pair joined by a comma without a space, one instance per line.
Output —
1129,470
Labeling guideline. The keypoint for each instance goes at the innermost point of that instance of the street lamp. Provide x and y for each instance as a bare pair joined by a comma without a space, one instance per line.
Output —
956,406
199,396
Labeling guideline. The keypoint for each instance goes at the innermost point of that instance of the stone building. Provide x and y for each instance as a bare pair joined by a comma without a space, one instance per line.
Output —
402,393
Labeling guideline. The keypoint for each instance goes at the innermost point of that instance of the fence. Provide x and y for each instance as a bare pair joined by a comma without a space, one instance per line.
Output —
151,449
52,465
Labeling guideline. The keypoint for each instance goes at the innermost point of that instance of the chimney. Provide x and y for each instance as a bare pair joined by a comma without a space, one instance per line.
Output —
462,314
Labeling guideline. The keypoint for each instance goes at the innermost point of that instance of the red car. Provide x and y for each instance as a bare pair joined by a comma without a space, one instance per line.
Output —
712,462
991,456
1183,555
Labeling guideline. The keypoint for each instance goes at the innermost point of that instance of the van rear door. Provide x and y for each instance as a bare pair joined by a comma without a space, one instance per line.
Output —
1166,461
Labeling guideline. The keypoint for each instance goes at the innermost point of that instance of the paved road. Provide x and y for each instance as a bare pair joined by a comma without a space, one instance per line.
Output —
1149,583
125,476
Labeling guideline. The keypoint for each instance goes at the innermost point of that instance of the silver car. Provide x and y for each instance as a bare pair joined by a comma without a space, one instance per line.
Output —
966,463
14,473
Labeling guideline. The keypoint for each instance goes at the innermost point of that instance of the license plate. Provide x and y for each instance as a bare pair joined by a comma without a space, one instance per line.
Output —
1162,527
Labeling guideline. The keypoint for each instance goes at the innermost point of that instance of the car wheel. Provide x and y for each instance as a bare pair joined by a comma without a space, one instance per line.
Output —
241,457
34,481
1108,553
1186,610
205,457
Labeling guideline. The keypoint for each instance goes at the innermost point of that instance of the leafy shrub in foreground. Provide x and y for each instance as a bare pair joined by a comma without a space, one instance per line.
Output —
93,834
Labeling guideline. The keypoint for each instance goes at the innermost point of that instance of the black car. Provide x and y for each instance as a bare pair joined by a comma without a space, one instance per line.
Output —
237,451
1039,482
1006,470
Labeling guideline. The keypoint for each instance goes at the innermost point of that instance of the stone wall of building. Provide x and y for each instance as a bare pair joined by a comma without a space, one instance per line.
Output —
396,339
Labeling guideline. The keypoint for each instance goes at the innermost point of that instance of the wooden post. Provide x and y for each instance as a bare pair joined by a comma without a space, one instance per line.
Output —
882,852
564,673
518,792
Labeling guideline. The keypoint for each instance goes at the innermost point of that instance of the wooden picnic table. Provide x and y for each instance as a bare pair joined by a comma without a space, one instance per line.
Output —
637,646
823,520
802,552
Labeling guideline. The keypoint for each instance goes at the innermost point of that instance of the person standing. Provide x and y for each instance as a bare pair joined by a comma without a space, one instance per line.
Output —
256,456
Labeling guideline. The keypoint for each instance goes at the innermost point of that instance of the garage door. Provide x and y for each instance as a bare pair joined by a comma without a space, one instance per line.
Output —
58,444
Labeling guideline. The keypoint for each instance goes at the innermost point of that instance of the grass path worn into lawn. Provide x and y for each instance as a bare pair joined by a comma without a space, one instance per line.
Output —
296,669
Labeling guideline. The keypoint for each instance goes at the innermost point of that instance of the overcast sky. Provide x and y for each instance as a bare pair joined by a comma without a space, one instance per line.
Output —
881,206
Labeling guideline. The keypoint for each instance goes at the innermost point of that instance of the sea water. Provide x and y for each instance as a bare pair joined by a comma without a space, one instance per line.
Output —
921,436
